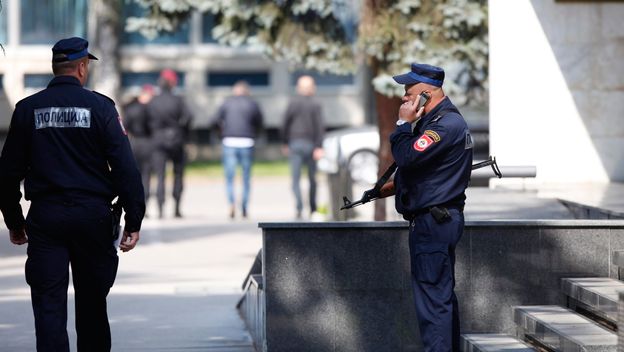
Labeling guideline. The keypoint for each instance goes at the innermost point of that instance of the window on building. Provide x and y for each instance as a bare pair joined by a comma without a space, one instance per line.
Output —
226,79
37,80
208,22
3,24
323,79
138,79
45,22
132,9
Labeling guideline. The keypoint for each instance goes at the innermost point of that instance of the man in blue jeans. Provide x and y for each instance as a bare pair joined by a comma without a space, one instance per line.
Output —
239,118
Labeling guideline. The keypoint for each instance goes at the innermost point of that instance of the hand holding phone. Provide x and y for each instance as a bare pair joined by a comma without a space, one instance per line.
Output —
423,98
409,110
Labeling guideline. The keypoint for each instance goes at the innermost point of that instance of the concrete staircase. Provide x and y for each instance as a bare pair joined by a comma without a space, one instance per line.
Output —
588,323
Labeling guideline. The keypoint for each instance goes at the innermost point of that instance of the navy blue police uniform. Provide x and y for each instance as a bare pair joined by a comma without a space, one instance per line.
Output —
434,161
68,145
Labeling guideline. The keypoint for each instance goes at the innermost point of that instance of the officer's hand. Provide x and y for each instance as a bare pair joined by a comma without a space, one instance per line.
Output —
370,195
285,150
18,237
128,240
407,111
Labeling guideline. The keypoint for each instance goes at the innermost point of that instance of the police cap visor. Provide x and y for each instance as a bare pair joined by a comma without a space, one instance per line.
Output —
70,49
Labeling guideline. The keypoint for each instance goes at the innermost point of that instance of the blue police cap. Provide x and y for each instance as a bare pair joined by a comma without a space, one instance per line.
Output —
70,49
422,73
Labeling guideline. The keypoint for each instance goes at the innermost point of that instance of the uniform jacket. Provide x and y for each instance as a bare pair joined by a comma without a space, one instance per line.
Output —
434,161
67,141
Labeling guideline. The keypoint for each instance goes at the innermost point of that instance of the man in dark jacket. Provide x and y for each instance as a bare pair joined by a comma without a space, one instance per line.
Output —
137,125
170,122
239,118
302,133
70,148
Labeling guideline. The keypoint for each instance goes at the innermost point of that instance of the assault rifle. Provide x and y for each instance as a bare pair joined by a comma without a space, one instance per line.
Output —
373,193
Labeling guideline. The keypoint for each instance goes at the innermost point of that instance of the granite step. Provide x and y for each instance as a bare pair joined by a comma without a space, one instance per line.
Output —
492,343
597,295
561,329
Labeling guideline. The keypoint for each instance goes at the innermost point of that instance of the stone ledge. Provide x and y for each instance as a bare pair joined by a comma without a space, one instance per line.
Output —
563,330
492,343
599,294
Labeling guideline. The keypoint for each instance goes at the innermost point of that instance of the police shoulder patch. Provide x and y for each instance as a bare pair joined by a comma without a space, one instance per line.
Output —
423,143
433,134
102,95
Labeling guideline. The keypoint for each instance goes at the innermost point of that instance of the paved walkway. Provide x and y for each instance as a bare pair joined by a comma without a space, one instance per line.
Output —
178,289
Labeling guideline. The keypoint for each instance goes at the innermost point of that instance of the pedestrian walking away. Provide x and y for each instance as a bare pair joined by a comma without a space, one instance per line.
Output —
170,123
137,124
69,146
239,120
432,148
302,133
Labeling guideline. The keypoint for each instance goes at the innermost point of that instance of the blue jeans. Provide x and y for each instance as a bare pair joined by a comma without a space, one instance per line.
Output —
231,158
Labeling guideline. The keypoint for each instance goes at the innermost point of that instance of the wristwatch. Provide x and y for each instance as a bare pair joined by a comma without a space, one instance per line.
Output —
400,122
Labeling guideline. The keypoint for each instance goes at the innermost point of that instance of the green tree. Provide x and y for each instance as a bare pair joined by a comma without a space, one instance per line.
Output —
338,36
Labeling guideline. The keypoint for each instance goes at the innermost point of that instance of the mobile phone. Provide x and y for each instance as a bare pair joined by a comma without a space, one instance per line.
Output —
422,100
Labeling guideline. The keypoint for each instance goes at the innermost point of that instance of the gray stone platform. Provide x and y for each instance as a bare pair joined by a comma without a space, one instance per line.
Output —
563,330
598,294
492,343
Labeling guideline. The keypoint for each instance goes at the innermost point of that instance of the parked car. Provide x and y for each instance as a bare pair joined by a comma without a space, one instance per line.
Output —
353,148
356,149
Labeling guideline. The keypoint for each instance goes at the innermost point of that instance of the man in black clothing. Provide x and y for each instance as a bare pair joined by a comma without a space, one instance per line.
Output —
68,145
170,121
137,125
239,118
302,134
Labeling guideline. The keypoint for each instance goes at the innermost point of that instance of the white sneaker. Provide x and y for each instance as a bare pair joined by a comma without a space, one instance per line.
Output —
317,217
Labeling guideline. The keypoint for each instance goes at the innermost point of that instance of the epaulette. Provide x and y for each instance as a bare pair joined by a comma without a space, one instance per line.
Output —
102,95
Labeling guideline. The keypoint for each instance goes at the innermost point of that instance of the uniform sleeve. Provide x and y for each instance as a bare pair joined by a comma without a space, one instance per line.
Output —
410,150
125,173
14,163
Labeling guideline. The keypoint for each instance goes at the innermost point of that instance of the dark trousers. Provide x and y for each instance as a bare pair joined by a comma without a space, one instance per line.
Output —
63,233
432,254
160,158
300,154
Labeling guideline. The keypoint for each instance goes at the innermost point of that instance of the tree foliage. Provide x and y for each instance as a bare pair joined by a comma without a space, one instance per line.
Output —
338,36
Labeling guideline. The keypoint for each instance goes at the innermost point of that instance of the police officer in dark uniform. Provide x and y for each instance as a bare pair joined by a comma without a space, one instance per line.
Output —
69,146
137,124
432,148
170,122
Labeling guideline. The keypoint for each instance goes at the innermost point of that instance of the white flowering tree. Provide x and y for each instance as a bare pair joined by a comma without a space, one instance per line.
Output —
338,36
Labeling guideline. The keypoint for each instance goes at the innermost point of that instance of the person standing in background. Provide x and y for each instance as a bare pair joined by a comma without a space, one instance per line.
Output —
170,122
137,125
239,119
302,133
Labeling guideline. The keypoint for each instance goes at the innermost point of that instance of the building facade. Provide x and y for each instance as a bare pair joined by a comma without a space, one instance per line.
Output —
207,70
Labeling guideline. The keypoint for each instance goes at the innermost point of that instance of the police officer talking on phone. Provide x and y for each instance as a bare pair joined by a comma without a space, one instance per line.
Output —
432,148
69,146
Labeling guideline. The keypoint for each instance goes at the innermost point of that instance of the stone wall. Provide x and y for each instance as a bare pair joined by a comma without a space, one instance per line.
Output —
346,286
